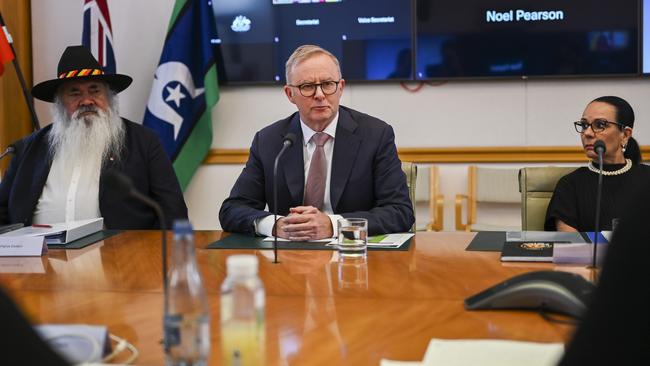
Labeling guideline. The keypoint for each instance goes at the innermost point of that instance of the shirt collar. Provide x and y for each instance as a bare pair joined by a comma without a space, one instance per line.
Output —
307,132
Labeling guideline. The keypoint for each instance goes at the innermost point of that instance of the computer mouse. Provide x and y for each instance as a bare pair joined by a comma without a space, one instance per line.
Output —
555,291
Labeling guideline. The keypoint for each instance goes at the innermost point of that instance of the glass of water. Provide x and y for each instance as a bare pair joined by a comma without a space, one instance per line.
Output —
353,238
353,273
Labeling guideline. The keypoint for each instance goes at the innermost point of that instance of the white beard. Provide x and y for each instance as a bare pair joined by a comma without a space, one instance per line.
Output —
91,139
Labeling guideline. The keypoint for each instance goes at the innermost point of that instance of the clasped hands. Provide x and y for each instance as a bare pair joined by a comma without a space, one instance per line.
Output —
304,223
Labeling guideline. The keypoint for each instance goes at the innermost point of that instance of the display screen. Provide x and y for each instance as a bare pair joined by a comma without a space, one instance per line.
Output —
371,38
514,38
646,37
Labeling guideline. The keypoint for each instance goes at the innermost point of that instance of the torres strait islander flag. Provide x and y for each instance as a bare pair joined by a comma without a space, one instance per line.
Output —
185,88
97,33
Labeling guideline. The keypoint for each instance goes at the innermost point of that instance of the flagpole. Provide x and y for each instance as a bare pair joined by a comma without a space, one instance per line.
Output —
28,98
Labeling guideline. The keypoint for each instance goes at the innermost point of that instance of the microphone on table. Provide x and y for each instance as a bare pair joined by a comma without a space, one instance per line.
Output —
122,185
287,142
599,148
11,149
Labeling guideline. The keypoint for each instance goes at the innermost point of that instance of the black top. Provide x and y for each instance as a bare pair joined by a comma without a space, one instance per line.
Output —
616,327
574,199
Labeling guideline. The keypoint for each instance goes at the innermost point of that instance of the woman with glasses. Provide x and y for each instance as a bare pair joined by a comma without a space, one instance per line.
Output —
573,205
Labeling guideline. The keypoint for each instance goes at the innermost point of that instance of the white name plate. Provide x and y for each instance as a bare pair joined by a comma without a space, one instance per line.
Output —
579,253
22,246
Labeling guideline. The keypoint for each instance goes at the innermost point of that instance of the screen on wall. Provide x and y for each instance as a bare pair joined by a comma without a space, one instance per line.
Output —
514,38
646,37
371,38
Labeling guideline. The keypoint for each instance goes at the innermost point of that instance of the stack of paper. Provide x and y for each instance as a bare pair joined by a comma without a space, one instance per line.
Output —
389,240
486,352
60,233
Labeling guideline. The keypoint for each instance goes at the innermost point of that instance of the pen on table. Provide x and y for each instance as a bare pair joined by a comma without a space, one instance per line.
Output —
42,225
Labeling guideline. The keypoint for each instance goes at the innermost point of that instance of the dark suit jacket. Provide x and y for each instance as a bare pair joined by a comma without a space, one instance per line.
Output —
367,179
616,327
143,160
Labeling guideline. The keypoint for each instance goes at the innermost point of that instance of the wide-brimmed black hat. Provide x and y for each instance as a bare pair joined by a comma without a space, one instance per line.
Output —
77,63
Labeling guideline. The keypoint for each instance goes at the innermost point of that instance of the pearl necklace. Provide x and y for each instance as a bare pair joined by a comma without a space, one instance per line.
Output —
628,166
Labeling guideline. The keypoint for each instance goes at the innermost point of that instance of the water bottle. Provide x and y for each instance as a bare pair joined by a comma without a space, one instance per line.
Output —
187,324
242,313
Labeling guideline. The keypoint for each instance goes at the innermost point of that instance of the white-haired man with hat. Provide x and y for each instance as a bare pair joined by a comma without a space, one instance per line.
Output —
56,174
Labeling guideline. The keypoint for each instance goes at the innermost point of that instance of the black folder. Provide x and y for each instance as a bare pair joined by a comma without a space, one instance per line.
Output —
240,241
487,241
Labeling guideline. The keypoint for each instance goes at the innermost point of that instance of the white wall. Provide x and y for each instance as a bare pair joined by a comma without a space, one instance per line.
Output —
468,113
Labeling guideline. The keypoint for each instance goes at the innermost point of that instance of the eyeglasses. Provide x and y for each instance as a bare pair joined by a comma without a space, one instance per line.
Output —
598,125
309,90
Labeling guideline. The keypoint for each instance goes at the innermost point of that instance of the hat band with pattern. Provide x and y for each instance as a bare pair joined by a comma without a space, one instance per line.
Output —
82,72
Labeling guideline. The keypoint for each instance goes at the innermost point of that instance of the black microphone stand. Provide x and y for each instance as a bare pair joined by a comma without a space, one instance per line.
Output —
163,229
598,199
287,143
123,186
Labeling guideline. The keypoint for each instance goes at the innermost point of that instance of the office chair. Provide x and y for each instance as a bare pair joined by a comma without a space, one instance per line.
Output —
487,186
411,172
536,186
428,191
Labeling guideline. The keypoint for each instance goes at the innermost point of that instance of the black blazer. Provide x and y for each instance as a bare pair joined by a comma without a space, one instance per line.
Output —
367,179
143,160
616,327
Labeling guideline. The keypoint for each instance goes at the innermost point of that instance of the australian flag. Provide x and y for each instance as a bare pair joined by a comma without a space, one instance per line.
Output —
97,33
185,88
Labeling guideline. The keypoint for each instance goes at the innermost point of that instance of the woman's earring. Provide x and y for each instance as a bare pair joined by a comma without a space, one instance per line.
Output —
624,147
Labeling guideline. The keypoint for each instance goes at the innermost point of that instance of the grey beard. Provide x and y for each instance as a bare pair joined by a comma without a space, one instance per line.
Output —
75,138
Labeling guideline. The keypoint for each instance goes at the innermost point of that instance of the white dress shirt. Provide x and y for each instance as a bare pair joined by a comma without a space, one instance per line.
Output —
264,226
71,192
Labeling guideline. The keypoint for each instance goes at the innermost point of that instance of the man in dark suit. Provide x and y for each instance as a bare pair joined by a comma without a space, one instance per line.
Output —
57,172
343,164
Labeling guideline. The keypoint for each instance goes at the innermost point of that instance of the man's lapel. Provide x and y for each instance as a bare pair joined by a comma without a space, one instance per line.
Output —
42,161
292,163
346,146
114,162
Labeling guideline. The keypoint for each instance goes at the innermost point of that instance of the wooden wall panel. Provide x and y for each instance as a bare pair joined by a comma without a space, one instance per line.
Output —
15,120
459,155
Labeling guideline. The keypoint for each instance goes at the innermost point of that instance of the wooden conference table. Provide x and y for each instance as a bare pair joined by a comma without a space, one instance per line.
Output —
318,311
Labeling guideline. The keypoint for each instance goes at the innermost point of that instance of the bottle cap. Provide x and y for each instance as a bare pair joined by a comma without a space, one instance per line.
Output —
182,226
242,265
